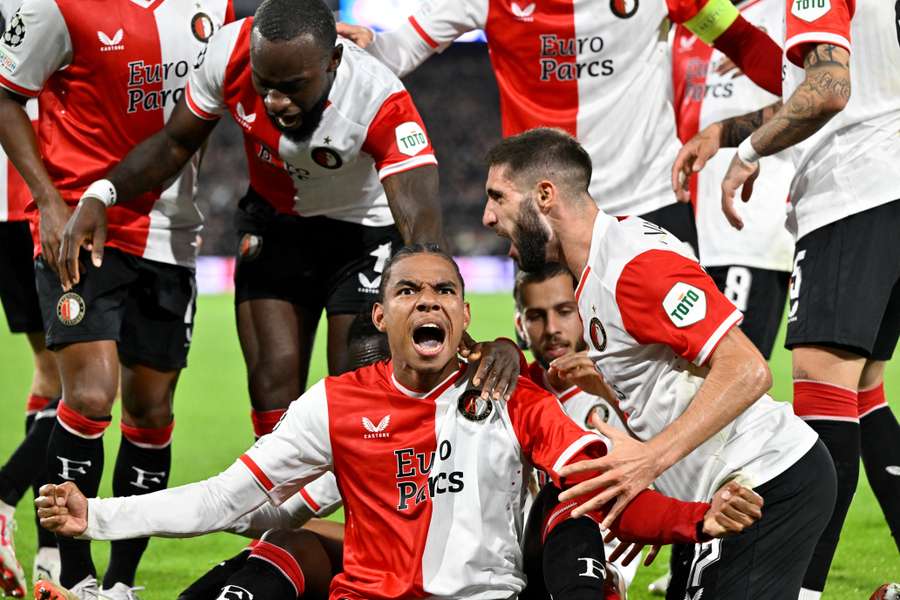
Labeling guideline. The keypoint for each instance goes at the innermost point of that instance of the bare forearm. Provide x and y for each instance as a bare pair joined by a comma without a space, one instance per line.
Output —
148,165
823,94
20,144
414,202
736,129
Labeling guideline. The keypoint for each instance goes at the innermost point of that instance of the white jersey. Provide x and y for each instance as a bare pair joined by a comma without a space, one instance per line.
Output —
595,69
108,78
651,316
703,97
370,130
851,164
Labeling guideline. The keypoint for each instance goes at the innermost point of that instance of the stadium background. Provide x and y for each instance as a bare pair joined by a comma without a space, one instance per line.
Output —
212,408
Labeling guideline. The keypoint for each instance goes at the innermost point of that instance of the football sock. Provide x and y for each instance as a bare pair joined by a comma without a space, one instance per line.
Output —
574,564
18,474
75,453
880,437
42,426
264,421
208,586
142,466
271,573
832,412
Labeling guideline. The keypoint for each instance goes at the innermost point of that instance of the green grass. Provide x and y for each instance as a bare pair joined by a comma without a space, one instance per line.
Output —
212,411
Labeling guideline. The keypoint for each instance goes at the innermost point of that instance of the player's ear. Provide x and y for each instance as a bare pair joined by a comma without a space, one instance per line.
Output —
378,317
546,195
520,329
467,315
336,55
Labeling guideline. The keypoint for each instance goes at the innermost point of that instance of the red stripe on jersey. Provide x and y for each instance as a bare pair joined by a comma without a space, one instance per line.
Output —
573,391
18,196
425,37
387,143
191,104
258,474
581,282
17,88
309,501
833,27
537,78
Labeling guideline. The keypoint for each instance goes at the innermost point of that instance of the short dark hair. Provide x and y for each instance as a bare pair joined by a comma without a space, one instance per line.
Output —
413,250
548,271
544,152
285,20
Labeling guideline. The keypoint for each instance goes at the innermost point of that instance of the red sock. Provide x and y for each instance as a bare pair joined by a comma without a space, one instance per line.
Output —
816,400
264,421
145,437
77,424
36,404
282,560
871,399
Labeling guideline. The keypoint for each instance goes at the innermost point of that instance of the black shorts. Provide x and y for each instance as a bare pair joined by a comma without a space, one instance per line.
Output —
677,219
313,262
758,293
769,559
147,307
17,291
845,288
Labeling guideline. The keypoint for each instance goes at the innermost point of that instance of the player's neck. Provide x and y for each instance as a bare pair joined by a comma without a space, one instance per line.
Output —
574,233
422,382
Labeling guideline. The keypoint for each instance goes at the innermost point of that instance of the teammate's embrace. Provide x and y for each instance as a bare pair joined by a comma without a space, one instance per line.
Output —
337,154
431,476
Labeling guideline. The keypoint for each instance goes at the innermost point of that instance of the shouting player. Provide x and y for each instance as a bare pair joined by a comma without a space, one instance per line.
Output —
433,492
752,266
107,79
844,316
690,383
594,68
341,173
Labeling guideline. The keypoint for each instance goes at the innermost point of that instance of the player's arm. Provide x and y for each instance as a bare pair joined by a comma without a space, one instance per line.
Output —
35,46
720,24
431,29
413,198
665,298
146,167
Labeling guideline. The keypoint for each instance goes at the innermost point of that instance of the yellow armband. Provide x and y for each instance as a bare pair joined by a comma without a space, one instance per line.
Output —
712,20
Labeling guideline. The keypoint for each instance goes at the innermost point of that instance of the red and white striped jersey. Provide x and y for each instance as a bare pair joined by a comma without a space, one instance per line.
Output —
651,318
109,73
850,165
598,70
703,97
14,194
441,476
370,130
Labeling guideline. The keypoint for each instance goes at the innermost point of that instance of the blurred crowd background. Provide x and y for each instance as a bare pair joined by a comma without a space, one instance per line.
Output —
457,97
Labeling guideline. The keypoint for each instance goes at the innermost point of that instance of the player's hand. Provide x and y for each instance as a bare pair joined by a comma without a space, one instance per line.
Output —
359,35
86,228
54,214
62,509
579,369
625,472
692,158
498,367
630,550
740,175
733,509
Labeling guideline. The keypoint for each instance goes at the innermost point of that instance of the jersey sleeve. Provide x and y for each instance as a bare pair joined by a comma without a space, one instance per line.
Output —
297,451
205,91
34,45
548,437
666,298
430,29
810,22
396,138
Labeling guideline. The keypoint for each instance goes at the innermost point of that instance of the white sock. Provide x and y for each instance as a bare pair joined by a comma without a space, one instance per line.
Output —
806,594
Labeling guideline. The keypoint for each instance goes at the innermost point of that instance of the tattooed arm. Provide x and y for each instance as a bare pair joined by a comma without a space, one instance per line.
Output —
735,130
824,93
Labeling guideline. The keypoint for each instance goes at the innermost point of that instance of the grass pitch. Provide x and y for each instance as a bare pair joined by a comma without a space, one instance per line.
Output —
213,428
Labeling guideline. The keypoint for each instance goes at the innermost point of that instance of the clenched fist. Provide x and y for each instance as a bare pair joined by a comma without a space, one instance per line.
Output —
62,509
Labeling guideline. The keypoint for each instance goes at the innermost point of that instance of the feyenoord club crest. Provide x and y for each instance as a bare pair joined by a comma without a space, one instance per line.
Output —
598,335
202,27
474,407
250,246
327,158
624,9
70,309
